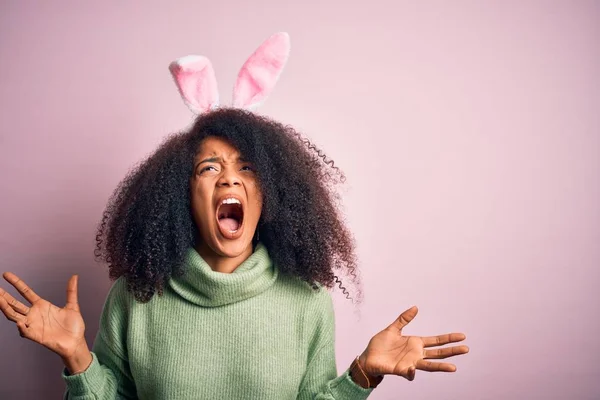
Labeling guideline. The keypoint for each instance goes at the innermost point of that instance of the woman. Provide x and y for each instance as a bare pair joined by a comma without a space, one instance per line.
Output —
222,245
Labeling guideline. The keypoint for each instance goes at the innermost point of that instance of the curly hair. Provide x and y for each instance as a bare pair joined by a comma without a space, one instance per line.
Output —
147,226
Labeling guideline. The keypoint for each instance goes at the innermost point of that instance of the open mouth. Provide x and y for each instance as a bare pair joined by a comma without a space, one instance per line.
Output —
230,216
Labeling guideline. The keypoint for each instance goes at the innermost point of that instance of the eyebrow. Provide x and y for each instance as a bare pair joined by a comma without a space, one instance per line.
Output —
211,159
219,159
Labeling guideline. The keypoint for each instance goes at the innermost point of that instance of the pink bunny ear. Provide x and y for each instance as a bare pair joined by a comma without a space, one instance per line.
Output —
260,72
195,79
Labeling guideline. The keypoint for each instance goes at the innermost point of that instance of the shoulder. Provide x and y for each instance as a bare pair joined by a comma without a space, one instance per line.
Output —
118,293
118,301
302,292
114,318
322,302
314,306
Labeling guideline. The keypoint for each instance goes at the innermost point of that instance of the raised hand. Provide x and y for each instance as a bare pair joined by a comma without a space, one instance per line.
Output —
389,352
59,329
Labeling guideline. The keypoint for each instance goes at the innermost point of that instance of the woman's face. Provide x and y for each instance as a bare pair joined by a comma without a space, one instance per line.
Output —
225,198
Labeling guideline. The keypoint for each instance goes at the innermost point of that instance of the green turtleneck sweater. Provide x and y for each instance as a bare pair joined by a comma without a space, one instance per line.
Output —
252,334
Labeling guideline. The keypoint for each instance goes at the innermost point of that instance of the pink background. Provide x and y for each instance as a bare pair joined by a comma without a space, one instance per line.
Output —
469,132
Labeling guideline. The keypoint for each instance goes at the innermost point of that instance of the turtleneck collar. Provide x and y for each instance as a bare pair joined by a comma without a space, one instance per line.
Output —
205,287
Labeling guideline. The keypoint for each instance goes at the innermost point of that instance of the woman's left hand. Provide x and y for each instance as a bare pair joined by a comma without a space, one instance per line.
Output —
389,352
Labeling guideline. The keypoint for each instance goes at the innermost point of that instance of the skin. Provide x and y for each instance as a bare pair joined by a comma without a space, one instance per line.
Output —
219,170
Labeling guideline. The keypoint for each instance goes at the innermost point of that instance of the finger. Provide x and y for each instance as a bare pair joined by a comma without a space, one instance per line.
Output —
9,312
21,287
72,301
445,352
405,318
435,366
441,340
411,374
16,305
23,329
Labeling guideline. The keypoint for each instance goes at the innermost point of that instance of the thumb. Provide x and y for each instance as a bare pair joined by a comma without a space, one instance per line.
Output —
405,318
72,302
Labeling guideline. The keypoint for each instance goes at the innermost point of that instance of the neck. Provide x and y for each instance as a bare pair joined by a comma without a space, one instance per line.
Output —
219,263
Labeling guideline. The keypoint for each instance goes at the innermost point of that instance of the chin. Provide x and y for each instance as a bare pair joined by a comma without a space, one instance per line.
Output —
231,248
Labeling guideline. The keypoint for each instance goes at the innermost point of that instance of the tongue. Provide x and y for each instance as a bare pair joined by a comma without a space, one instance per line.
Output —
230,224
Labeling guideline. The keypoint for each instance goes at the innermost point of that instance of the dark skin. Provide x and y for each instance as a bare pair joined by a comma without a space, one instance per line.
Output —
220,171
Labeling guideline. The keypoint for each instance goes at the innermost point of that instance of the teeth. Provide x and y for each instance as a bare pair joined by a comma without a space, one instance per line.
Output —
231,201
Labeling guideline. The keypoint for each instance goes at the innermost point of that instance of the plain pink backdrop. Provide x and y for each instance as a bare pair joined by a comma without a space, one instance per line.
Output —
469,132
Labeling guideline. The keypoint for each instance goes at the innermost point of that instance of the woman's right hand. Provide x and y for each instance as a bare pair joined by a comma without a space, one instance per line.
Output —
59,329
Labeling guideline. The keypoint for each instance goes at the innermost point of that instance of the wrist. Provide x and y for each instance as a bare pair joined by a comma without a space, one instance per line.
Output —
365,366
361,377
79,360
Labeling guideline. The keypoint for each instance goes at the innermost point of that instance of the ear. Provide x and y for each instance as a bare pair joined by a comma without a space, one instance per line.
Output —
260,72
195,79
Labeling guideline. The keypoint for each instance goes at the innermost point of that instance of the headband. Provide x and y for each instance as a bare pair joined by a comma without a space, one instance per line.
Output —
195,77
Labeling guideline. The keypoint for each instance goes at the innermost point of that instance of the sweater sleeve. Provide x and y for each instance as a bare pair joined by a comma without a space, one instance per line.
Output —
321,380
108,376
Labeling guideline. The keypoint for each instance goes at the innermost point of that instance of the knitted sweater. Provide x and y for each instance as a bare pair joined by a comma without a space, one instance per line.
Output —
252,334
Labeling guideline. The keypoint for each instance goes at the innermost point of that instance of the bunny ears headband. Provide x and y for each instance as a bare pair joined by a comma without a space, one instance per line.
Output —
195,77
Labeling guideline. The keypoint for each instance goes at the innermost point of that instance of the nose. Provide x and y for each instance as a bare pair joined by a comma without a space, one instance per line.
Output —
229,178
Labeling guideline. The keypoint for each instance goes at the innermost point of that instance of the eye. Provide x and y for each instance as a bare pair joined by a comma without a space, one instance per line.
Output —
207,168
247,168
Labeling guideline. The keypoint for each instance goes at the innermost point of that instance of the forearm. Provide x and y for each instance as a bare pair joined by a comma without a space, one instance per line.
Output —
79,360
338,388
105,377
96,382
102,372
322,383
361,377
